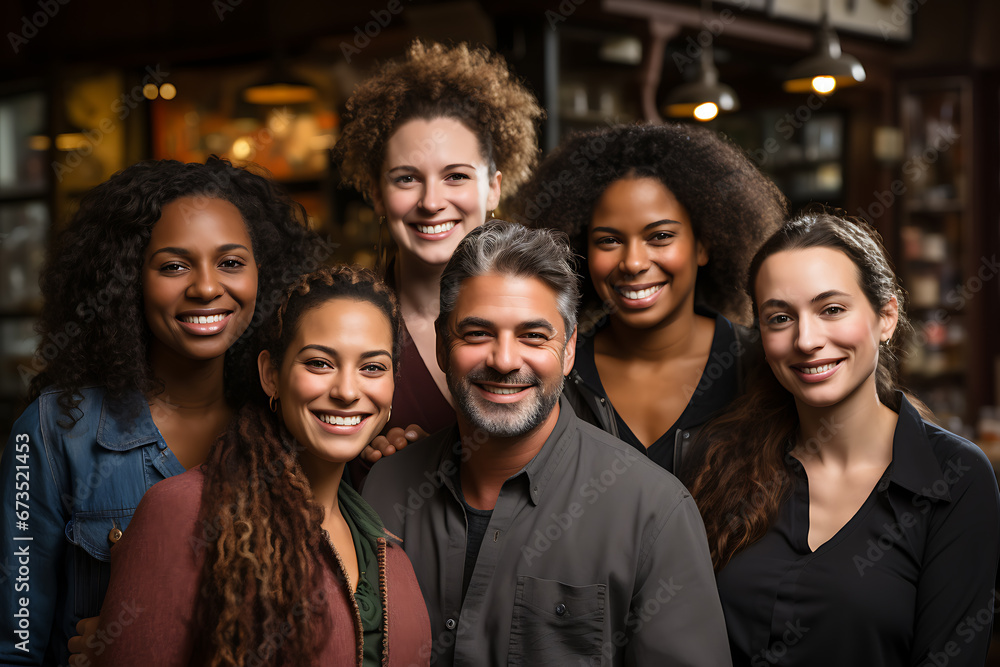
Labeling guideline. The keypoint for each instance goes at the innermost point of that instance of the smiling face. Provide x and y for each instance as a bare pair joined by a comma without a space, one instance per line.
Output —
642,253
507,355
434,187
820,333
335,383
199,278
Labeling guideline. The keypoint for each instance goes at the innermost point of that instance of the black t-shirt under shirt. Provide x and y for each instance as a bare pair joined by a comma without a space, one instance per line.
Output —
478,521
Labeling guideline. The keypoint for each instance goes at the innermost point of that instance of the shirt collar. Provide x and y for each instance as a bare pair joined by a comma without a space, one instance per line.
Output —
539,470
915,467
126,423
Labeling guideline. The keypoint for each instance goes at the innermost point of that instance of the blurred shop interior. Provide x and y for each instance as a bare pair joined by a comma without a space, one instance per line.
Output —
912,143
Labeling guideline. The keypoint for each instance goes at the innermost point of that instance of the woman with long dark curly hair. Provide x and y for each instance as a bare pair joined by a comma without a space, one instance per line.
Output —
428,139
845,529
150,297
262,556
666,218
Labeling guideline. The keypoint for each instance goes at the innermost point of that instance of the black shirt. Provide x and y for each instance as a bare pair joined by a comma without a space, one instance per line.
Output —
718,386
478,521
907,581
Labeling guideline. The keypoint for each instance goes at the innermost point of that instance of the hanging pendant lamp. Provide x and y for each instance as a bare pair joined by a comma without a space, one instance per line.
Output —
829,69
704,97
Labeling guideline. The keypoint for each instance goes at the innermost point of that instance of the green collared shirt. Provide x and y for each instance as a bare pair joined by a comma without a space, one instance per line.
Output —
365,529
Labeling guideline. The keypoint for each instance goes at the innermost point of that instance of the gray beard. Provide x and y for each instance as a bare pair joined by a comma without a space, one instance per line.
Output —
503,420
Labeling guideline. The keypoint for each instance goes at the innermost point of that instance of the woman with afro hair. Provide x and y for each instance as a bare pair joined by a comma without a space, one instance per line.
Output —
150,296
428,139
666,218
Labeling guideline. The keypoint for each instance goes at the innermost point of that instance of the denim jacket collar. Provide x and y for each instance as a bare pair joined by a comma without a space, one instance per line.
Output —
127,424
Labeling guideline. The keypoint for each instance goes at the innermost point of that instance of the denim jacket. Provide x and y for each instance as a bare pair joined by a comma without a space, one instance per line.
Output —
67,496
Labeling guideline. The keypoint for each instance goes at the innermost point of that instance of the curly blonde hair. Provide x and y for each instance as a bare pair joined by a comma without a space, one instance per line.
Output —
469,84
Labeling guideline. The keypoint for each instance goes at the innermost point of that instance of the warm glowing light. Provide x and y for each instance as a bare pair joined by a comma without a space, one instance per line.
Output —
150,91
824,85
242,148
706,111
277,94
39,142
71,141
168,91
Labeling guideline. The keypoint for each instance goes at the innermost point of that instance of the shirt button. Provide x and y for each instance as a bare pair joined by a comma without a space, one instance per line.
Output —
602,401
114,535
687,434
560,609
162,445
450,624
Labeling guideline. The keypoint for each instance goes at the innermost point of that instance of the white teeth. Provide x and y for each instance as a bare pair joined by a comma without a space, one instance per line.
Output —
353,420
201,319
639,294
813,370
503,391
435,229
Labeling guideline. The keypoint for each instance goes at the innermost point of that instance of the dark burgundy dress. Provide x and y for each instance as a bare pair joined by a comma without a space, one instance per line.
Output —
417,399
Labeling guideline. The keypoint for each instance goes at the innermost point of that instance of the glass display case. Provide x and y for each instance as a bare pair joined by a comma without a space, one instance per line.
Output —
805,155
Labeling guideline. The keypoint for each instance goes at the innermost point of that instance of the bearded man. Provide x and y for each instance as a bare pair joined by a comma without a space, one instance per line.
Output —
538,539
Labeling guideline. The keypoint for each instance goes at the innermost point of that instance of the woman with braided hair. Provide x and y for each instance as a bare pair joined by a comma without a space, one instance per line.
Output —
151,295
428,139
262,556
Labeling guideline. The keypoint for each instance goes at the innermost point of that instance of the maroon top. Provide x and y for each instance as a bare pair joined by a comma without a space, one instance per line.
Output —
155,574
417,399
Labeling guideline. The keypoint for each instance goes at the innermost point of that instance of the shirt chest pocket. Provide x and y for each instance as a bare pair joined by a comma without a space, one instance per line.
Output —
556,623
92,535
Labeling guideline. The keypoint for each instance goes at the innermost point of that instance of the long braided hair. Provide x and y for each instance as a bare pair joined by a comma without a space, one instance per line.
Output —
260,596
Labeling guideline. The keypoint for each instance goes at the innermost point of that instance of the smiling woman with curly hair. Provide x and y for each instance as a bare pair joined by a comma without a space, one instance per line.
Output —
428,139
263,556
667,218
152,294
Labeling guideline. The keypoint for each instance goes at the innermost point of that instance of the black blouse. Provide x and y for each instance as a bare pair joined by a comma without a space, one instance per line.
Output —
717,387
909,580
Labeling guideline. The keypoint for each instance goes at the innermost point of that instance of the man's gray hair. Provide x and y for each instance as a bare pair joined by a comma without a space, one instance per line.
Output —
511,249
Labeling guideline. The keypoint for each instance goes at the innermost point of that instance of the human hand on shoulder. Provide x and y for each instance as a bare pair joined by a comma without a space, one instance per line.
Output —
393,441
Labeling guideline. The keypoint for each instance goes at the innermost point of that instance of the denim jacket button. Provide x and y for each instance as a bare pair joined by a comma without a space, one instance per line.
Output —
114,535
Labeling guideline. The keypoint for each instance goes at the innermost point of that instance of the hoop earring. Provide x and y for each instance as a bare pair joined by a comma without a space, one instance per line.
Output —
273,403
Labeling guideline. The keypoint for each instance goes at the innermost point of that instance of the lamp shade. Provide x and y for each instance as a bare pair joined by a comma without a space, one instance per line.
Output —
280,87
833,68
704,97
